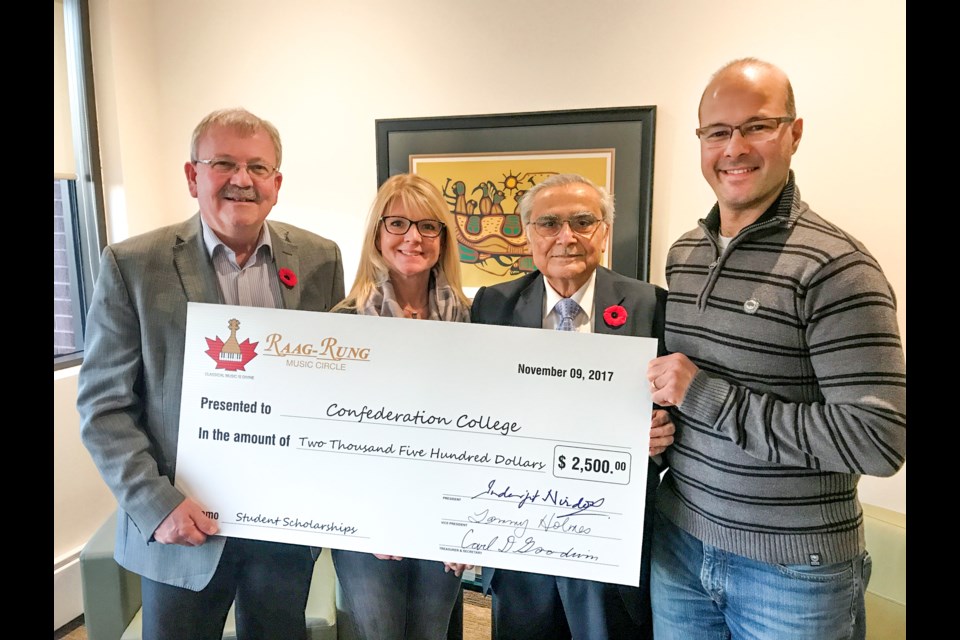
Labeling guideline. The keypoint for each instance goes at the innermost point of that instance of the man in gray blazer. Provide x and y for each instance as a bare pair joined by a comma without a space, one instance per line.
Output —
131,377
568,219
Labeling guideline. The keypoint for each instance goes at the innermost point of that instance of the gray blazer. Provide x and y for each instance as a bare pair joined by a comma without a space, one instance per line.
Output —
130,380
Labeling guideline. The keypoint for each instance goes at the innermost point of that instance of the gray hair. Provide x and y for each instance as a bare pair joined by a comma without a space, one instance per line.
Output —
525,205
241,121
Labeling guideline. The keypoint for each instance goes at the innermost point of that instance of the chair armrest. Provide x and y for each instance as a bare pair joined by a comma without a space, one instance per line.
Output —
321,610
886,598
111,594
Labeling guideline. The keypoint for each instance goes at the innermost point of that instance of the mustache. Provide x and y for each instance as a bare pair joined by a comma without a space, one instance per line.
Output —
233,192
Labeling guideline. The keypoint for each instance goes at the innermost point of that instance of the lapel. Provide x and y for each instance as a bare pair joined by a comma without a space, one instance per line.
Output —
285,256
529,309
606,293
193,265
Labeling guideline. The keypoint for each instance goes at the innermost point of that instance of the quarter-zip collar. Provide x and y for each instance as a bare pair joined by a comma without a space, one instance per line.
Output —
781,212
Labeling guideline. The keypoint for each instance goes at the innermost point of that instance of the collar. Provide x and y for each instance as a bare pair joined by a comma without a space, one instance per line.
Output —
782,207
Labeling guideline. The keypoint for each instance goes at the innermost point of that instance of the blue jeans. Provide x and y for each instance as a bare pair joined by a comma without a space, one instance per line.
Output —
700,592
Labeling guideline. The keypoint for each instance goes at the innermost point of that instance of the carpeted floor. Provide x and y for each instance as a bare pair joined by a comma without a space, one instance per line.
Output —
476,616
476,620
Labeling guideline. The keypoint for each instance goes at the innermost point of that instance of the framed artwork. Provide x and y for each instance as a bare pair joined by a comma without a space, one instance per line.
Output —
483,164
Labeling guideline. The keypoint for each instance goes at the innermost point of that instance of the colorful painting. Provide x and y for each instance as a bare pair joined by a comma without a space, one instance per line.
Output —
484,163
483,191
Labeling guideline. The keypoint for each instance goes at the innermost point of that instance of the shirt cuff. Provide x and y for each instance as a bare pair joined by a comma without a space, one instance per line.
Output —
705,398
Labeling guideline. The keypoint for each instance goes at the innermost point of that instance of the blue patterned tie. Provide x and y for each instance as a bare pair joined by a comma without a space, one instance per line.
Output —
568,309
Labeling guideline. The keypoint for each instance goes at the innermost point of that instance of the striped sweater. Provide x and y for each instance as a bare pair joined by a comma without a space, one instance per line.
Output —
801,389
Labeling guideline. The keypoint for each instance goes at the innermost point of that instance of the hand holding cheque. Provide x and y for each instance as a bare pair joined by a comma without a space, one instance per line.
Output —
344,431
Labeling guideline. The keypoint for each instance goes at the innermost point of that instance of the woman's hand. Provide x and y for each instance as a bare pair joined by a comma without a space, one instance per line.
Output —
456,567
661,431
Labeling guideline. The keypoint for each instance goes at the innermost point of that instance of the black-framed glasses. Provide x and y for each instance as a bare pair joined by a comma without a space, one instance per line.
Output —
398,226
227,167
755,129
582,224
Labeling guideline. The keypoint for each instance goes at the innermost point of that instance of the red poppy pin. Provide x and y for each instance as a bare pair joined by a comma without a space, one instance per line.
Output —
288,277
615,316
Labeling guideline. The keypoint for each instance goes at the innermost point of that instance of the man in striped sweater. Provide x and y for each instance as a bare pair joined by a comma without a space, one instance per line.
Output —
787,380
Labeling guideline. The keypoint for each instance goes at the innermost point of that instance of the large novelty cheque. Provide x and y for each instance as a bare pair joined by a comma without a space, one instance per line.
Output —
496,446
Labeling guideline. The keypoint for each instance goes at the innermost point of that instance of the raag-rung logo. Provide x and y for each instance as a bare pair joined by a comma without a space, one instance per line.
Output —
231,355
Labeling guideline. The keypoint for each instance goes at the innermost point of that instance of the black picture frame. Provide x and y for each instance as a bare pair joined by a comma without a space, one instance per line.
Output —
630,131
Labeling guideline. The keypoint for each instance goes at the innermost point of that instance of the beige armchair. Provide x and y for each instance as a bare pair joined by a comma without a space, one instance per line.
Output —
886,599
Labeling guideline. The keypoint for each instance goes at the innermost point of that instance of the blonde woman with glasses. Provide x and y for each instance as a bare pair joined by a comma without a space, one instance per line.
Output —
409,268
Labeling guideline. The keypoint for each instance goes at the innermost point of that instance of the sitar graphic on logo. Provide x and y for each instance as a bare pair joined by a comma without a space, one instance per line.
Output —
231,355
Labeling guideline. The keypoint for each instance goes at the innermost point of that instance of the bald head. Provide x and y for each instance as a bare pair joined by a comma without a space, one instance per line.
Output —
750,72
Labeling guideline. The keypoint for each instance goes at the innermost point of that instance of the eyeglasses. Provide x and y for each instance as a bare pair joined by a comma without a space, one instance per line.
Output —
756,130
581,224
399,226
229,167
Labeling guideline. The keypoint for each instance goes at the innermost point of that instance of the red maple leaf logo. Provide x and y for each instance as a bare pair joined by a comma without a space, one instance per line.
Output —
231,361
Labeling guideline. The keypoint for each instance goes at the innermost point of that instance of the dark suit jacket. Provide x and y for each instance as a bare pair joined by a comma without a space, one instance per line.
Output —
519,303
131,377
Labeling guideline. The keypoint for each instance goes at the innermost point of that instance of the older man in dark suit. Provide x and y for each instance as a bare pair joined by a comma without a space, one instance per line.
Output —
130,383
568,219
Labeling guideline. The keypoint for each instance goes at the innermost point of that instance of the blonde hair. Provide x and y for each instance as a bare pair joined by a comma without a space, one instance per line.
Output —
411,193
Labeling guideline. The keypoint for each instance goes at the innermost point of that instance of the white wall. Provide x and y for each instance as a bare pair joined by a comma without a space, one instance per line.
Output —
81,501
324,71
